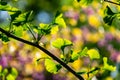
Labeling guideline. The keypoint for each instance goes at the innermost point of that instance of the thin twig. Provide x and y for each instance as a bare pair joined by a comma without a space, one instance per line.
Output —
112,2
44,50
31,31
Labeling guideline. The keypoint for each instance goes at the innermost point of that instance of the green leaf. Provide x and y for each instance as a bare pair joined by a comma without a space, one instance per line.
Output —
83,52
4,38
107,66
18,31
61,43
60,21
110,16
78,0
93,54
93,70
44,29
3,3
8,8
10,77
86,1
74,56
5,71
108,11
0,68
14,72
51,66
54,29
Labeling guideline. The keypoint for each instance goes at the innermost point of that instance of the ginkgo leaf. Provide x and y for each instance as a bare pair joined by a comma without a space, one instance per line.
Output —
10,77
93,54
51,66
60,21
74,55
14,72
60,43
0,68
83,52
54,29
107,66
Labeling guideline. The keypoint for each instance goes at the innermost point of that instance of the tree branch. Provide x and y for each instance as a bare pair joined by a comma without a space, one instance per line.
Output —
112,2
44,50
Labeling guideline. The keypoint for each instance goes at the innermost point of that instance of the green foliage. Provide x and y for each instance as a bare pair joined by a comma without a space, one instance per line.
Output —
74,56
85,1
51,66
93,54
4,38
110,16
14,72
83,52
107,66
10,77
61,43
59,20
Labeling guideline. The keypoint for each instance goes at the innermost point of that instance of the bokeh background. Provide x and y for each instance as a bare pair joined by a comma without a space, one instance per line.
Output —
85,28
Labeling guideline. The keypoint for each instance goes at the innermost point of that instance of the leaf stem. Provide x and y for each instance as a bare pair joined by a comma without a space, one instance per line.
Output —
28,26
44,50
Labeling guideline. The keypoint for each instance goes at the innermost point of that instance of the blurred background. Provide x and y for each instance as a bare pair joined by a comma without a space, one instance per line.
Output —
85,28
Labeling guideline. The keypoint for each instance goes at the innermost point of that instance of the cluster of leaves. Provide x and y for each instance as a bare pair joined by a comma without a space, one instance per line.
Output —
112,16
72,56
20,21
8,74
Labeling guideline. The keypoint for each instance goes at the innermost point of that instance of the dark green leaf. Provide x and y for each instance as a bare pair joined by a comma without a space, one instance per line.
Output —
3,3
109,11
78,0
86,1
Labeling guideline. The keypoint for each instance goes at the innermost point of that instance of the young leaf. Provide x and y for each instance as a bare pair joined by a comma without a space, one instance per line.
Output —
10,77
54,29
18,31
5,71
93,54
44,29
83,52
107,66
60,21
74,56
0,68
61,43
51,66
14,72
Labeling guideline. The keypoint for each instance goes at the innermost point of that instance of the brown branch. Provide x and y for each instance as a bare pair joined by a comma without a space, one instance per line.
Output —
44,50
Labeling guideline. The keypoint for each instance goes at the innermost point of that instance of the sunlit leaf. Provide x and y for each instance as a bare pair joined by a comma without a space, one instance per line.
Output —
107,66
51,66
83,52
18,31
14,72
0,68
74,56
10,77
5,71
60,21
54,29
61,43
93,54
44,28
